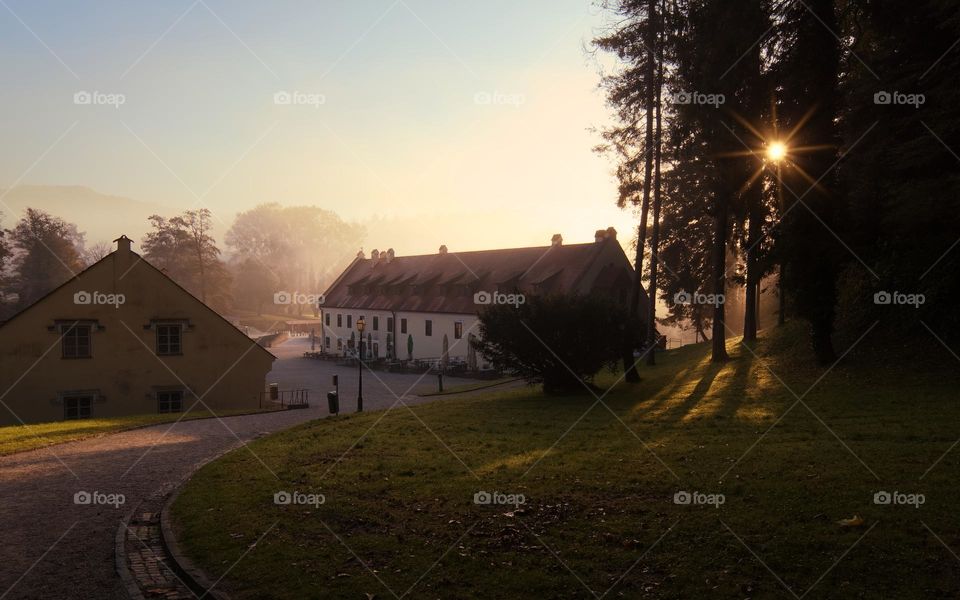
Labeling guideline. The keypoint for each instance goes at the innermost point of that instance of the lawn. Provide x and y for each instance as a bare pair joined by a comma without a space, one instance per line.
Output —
599,482
20,438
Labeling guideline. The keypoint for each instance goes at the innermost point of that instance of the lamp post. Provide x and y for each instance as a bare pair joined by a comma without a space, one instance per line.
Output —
360,326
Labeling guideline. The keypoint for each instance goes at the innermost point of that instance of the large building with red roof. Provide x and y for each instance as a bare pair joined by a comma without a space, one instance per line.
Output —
426,306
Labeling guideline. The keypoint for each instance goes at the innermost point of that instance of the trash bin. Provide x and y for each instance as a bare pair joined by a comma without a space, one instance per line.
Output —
333,400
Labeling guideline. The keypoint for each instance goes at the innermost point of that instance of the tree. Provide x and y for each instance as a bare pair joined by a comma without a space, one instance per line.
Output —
657,202
254,285
47,252
304,247
183,248
96,252
560,341
631,92
811,70
901,183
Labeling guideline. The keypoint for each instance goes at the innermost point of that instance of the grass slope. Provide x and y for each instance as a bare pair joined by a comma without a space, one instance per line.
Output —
20,438
599,516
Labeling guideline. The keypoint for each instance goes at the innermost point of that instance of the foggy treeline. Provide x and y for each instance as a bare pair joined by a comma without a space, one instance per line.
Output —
267,250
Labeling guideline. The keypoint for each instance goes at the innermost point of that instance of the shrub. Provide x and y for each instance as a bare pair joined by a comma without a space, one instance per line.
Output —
560,341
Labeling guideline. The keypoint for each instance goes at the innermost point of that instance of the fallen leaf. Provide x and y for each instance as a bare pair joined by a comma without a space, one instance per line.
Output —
854,521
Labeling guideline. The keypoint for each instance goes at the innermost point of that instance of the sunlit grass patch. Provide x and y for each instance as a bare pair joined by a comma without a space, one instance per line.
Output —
20,438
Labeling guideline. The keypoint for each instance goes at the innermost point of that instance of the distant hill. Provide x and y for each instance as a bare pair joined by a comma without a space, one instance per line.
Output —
100,216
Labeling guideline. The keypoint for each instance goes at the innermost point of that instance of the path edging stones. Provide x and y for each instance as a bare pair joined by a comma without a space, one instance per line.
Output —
120,557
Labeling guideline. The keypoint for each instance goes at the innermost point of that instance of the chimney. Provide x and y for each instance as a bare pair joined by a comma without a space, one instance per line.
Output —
556,240
360,253
443,249
123,244
611,233
599,235
375,255
123,258
390,255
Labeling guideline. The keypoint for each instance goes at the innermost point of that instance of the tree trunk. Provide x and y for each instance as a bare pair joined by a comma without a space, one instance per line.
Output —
781,298
630,369
719,337
752,299
655,236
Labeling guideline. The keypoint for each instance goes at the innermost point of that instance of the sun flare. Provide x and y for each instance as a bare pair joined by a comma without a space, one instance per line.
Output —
776,151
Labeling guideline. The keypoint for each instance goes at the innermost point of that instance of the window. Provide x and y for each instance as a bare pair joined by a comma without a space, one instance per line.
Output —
339,320
339,344
168,339
428,327
327,342
457,330
76,341
376,323
376,350
349,321
403,325
170,401
389,323
327,317
77,407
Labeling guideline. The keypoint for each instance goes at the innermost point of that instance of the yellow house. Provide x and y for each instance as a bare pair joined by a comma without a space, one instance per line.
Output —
121,338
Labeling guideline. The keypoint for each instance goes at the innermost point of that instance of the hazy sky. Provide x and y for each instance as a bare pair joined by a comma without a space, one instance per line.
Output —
464,123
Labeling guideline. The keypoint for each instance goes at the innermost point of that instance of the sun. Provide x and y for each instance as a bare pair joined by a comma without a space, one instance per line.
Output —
776,151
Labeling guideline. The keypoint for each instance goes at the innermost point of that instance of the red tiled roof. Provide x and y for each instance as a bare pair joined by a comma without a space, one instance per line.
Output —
446,283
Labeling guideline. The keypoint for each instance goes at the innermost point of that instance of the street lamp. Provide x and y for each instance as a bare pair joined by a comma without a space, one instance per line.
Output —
360,326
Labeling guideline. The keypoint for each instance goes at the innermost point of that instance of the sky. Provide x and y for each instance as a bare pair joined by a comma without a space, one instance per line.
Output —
469,124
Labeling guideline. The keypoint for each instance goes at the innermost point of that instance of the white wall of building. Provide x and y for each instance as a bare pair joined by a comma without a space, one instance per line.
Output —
424,346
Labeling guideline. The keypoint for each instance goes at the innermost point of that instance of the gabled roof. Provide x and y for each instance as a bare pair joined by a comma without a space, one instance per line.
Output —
139,259
445,282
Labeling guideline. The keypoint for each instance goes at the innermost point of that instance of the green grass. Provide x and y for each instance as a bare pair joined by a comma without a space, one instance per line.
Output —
599,509
20,438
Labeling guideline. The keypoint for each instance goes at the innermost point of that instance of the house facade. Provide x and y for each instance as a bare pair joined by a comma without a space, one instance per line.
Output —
426,307
121,338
